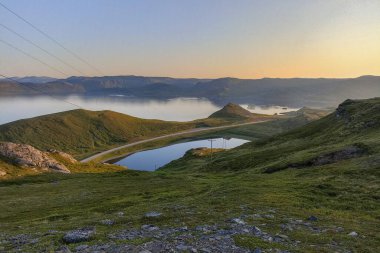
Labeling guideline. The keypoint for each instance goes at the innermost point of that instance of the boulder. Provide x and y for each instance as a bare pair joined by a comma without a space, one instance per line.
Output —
27,156
238,221
312,218
353,234
152,214
107,222
80,235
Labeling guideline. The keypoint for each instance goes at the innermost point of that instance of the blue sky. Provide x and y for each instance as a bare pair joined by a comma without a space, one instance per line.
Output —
199,38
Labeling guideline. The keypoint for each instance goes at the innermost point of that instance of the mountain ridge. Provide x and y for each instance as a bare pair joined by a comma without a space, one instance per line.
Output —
299,92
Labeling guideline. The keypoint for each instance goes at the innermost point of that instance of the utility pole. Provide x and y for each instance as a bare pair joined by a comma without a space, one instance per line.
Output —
224,143
211,141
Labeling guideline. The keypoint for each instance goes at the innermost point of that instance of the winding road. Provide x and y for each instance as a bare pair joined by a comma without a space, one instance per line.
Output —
194,130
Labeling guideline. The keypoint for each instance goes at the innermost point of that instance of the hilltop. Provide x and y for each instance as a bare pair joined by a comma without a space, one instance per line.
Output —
80,132
233,111
309,113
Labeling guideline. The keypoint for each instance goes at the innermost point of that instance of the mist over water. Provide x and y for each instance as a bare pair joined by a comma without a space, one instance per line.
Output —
178,109
181,109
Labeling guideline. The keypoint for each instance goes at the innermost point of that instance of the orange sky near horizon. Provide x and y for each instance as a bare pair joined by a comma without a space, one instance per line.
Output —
199,38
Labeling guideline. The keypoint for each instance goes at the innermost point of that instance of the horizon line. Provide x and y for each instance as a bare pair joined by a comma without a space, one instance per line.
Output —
200,78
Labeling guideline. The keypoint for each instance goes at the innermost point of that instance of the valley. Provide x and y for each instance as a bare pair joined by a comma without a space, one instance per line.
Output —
307,197
83,133
189,126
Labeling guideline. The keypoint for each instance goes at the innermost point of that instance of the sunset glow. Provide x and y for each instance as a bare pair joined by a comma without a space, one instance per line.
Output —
205,39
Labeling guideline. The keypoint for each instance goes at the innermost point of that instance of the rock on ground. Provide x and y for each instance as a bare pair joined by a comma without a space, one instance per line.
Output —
80,235
152,215
28,156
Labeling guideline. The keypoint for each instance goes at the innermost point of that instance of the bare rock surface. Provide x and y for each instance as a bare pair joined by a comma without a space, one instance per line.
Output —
28,156
64,155
80,235
2,173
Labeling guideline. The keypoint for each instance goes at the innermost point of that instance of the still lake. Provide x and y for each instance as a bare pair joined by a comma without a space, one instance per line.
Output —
178,109
153,159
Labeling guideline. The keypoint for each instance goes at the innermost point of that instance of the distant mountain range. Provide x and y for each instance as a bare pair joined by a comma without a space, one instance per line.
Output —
320,92
33,79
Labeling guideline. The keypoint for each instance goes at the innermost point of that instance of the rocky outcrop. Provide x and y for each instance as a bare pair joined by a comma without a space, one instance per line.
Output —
64,155
346,153
27,156
349,152
342,112
359,115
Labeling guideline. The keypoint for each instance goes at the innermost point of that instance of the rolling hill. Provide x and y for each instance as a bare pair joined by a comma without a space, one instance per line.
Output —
233,111
82,132
351,132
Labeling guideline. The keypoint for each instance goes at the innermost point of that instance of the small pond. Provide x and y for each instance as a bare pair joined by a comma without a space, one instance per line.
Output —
153,159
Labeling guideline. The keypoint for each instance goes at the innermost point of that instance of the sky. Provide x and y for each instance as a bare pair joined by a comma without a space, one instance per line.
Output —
194,38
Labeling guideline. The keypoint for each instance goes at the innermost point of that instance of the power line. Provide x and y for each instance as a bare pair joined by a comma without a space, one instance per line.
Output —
33,57
38,90
47,52
52,39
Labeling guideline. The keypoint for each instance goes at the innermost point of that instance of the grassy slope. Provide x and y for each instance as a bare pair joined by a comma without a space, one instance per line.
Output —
71,201
341,194
358,124
346,191
81,132
268,129
248,132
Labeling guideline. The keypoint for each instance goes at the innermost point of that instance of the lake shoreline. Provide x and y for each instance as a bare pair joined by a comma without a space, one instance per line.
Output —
172,152
98,157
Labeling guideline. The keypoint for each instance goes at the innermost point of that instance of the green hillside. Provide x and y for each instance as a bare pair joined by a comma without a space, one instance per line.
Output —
353,130
81,132
312,189
273,127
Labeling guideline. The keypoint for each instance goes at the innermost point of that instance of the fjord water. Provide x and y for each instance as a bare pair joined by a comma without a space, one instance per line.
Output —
151,160
178,109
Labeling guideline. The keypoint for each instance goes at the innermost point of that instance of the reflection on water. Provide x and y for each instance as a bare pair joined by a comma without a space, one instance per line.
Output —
153,159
